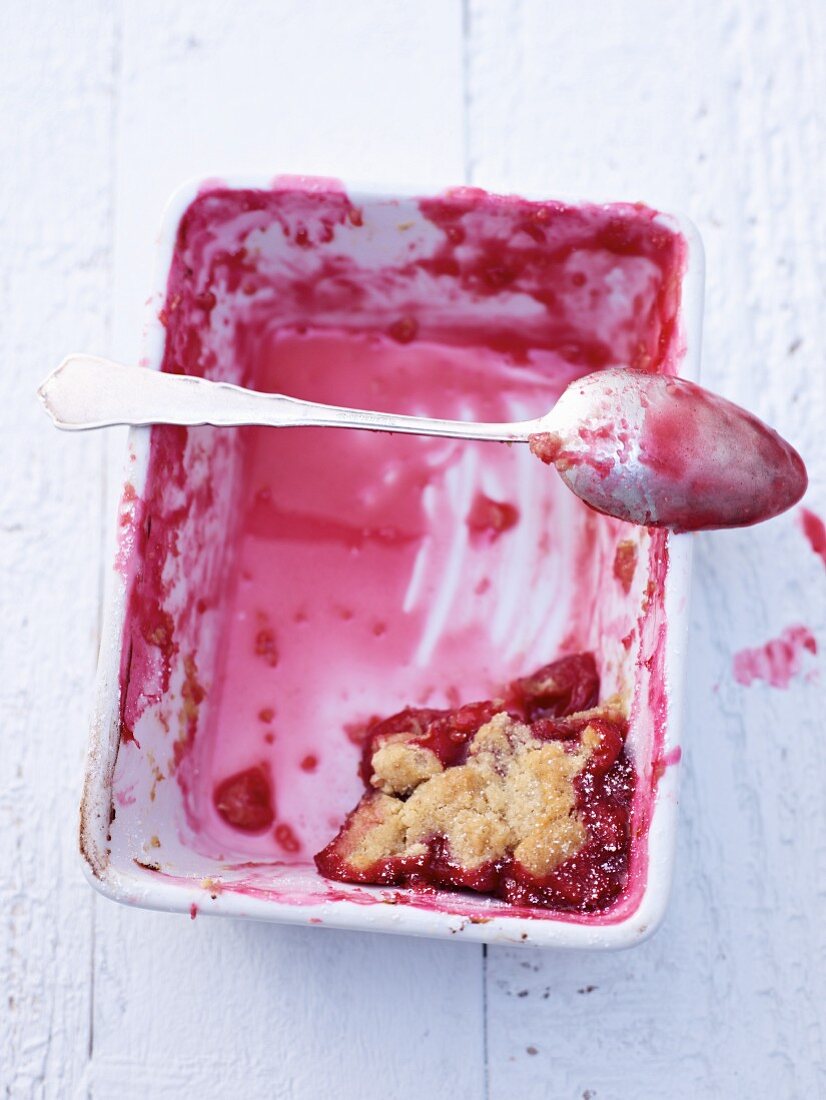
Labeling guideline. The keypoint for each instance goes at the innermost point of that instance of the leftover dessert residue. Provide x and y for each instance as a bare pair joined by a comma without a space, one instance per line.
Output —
284,586
526,797
244,800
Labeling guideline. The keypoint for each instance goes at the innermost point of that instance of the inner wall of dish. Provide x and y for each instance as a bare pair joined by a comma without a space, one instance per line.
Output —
289,585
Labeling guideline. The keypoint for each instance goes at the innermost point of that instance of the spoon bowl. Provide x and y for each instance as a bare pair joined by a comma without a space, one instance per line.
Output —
664,452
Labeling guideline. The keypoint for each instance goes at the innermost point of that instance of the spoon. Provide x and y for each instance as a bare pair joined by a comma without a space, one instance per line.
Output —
646,448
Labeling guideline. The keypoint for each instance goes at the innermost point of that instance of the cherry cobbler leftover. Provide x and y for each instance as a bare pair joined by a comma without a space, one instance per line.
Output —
526,797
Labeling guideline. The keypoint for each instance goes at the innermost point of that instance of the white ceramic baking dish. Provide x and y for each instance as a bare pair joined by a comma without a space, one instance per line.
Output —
134,842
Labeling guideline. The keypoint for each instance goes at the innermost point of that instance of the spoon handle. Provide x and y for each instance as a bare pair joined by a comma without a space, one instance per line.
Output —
86,392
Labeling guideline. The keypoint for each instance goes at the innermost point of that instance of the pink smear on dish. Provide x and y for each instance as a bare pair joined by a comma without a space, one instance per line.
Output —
293,584
815,531
778,661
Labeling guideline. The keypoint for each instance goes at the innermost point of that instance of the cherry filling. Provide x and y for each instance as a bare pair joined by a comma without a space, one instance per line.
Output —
526,797
563,687
444,733
244,800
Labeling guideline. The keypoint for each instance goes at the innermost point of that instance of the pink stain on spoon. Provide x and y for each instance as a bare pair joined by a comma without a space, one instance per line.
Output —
778,661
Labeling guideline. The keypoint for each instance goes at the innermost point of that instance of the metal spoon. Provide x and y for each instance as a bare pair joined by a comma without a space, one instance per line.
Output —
646,448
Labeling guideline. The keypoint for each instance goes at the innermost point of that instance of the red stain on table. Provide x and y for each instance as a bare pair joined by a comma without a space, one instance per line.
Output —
815,531
778,661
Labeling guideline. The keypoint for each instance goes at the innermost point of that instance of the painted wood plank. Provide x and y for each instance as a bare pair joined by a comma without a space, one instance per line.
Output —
714,110
55,266
217,1008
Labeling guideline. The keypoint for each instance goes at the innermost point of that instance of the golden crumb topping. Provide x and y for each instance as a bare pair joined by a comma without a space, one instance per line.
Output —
398,767
515,794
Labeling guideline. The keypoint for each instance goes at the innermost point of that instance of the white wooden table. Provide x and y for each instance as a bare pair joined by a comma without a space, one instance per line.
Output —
712,107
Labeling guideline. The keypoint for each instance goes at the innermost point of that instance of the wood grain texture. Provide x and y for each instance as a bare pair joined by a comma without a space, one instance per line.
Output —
715,109
55,266
217,1008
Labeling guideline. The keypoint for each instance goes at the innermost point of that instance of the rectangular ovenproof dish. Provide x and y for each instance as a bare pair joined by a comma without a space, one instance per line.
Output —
273,590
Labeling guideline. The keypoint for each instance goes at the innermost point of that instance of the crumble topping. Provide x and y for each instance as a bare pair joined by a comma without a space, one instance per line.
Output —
527,796
514,794
399,766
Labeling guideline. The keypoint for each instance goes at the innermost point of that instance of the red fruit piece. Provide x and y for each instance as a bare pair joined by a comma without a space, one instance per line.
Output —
557,729
404,330
609,742
605,738
346,858
563,687
287,838
491,517
607,825
443,870
443,732
410,724
244,800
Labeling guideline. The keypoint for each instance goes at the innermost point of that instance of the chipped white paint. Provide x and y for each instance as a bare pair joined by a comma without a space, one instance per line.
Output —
707,107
